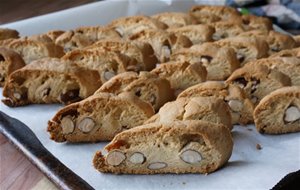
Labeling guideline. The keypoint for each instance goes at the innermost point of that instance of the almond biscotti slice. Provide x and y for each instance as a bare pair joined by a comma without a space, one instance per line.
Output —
276,41
142,52
108,64
289,66
241,107
279,112
258,80
219,61
116,84
210,109
175,19
253,22
32,49
130,25
98,118
71,40
198,34
181,74
226,29
177,147
147,86
7,33
9,62
54,34
96,33
49,80
246,48
206,14
162,42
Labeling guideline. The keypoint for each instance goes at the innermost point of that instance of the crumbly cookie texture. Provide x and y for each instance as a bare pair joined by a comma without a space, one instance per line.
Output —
163,43
84,36
258,81
241,107
289,66
107,63
253,22
54,34
219,61
276,41
49,80
98,118
34,48
147,86
294,52
9,62
177,147
198,34
141,51
175,19
127,26
226,29
279,112
181,74
246,48
7,33
206,14
210,109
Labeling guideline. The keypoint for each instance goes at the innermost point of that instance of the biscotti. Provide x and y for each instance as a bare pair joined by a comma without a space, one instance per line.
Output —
9,62
253,22
148,87
198,34
181,74
108,64
163,43
241,107
210,109
276,41
175,19
226,29
54,34
219,61
49,80
279,112
178,147
206,14
246,48
85,36
7,33
98,118
294,52
258,81
142,52
31,49
130,25
289,66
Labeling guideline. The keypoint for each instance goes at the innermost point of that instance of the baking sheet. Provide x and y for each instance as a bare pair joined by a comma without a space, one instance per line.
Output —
248,168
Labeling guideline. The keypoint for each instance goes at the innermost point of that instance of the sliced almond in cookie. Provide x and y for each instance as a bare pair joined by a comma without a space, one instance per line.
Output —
86,124
157,165
115,158
292,114
67,125
137,158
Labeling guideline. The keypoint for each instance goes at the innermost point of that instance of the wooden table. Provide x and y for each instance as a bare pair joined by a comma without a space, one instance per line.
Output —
16,172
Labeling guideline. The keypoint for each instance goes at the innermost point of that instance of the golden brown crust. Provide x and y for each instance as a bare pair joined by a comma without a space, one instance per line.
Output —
50,80
9,62
108,115
219,61
142,52
163,43
175,19
206,14
127,26
32,49
198,34
241,113
258,80
6,33
214,143
181,74
246,48
270,113
210,109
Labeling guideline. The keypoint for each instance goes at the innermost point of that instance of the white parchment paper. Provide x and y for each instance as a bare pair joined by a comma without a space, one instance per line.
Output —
248,168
